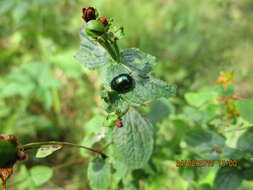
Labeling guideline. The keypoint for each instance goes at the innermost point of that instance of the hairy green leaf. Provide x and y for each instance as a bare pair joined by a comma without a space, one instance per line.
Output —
159,110
133,142
99,174
137,61
204,141
146,88
91,53
227,178
245,141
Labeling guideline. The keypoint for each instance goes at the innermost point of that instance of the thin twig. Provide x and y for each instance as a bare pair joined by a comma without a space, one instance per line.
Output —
37,145
116,47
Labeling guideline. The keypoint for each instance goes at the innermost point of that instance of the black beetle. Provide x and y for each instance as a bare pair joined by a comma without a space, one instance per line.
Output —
122,83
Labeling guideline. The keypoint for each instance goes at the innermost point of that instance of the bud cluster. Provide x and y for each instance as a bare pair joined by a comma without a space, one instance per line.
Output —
103,31
96,26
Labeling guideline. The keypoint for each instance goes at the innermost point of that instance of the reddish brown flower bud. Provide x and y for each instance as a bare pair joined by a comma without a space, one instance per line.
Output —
89,14
103,20
118,123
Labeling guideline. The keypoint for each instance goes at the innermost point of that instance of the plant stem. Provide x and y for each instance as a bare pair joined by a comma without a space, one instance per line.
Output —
110,49
113,46
116,47
37,145
104,42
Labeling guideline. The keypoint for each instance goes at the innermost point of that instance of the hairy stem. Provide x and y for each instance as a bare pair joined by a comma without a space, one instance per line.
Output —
116,47
105,43
113,47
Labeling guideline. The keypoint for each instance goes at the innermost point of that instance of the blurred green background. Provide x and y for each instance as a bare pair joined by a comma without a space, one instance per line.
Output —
45,94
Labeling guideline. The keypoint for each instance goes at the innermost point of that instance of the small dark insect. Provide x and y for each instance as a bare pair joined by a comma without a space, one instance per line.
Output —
122,83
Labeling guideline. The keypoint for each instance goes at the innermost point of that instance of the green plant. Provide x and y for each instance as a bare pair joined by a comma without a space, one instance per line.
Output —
212,122
128,85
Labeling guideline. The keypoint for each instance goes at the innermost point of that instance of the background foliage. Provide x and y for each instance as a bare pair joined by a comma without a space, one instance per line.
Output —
45,94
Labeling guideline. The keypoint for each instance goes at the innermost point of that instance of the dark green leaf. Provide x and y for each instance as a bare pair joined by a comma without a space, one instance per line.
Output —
248,173
99,174
245,141
159,110
233,153
204,141
227,178
133,143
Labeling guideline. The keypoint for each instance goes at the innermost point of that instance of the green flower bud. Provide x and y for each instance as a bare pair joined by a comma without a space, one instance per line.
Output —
95,28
